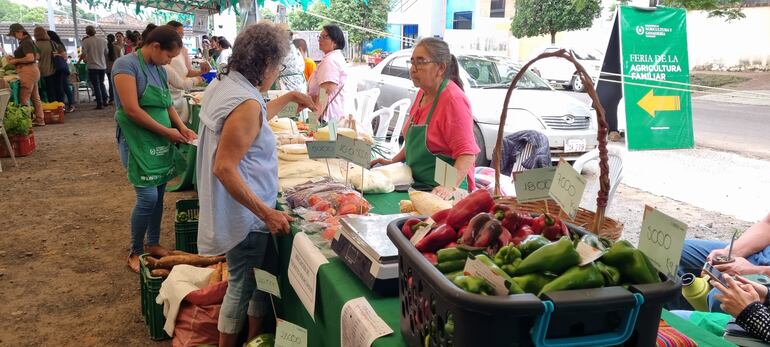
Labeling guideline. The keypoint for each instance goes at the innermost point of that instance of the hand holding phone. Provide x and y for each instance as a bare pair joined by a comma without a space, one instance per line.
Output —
714,273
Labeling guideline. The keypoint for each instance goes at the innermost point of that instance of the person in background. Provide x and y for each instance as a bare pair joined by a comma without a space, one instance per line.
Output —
237,173
330,74
293,76
182,75
95,55
309,63
440,121
215,50
225,50
120,43
130,42
205,50
751,252
748,302
148,129
25,59
113,53
63,75
47,49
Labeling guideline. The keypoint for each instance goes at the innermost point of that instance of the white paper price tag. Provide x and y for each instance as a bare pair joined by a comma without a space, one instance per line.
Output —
567,188
360,325
445,175
532,185
289,335
422,232
267,282
476,268
662,240
587,253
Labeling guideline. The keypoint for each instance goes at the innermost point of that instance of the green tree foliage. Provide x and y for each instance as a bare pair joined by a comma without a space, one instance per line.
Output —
727,9
540,17
301,21
266,14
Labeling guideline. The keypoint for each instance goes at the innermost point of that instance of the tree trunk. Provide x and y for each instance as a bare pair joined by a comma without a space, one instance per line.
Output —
553,37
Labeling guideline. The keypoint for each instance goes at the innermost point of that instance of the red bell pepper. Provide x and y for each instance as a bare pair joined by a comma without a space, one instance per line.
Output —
500,211
521,234
489,234
410,227
474,228
554,228
437,239
451,245
462,232
505,237
475,203
538,224
440,216
432,259
514,220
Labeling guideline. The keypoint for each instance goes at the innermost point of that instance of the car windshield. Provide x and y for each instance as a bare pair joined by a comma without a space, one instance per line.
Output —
497,72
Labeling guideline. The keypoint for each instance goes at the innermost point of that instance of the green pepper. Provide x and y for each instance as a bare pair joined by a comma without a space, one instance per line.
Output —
507,255
513,288
634,266
263,340
532,243
533,282
449,254
450,266
451,276
555,257
510,269
449,326
577,277
611,274
472,284
597,242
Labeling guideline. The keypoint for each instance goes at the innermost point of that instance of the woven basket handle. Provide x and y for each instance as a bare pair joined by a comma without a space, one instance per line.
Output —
604,180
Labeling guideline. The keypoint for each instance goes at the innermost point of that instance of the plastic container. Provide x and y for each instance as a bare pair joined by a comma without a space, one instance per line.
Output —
606,316
151,311
186,225
209,76
55,116
22,146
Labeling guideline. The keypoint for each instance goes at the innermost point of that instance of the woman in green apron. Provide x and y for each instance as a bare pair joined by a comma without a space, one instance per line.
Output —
440,121
148,129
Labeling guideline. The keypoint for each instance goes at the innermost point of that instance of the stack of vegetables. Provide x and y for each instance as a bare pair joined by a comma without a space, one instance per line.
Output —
532,254
322,202
162,262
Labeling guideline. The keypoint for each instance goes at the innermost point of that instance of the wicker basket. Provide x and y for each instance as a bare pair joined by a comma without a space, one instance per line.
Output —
593,221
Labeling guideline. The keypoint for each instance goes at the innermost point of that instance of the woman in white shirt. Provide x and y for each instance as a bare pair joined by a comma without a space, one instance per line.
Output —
224,56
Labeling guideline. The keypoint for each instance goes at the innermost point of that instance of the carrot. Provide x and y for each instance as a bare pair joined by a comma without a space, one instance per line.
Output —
159,273
151,262
170,261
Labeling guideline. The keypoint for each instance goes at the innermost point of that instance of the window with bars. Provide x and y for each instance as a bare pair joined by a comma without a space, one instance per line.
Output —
497,8
463,20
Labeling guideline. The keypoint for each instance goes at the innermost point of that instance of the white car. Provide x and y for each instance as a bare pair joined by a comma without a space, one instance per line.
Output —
560,71
569,124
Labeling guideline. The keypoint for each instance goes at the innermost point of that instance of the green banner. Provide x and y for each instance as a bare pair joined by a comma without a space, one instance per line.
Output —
654,51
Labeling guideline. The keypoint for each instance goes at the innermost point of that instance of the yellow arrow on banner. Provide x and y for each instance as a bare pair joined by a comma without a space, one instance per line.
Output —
651,103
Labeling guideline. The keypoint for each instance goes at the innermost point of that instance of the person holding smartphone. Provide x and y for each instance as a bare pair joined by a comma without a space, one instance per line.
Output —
751,254
748,302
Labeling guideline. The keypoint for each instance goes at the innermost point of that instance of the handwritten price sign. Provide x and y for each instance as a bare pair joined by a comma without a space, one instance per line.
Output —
354,151
321,149
532,185
662,240
567,188
289,335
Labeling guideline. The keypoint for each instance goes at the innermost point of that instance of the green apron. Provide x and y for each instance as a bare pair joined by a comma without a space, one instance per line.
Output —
419,158
152,158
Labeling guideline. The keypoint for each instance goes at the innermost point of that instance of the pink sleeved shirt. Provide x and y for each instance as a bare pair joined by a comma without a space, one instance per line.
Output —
331,69
450,131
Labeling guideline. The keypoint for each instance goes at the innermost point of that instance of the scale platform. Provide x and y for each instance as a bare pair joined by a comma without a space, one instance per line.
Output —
363,245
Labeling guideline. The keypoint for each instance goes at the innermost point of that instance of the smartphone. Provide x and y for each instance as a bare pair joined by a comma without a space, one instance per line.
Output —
714,273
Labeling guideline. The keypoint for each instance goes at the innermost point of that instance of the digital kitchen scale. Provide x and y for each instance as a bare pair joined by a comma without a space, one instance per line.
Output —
363,245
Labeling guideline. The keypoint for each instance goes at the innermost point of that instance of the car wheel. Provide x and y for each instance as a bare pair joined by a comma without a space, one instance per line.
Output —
577,84
481,158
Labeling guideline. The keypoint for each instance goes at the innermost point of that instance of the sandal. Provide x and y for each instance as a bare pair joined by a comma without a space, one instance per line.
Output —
133,263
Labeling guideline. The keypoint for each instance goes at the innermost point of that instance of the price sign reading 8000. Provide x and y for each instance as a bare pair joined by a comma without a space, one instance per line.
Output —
345,148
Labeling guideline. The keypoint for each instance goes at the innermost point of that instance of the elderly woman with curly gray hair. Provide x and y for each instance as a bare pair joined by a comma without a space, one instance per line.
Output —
237,170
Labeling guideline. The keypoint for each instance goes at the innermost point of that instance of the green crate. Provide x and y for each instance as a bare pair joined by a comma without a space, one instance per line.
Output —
151,311
190,209
187,237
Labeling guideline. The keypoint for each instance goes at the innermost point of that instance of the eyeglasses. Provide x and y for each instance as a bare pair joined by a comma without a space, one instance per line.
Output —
283,67
418,64
323,37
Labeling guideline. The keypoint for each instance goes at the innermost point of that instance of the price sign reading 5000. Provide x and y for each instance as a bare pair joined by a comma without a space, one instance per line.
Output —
662,239
567,188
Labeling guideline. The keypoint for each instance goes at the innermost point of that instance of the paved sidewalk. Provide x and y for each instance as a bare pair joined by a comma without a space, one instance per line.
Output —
743,97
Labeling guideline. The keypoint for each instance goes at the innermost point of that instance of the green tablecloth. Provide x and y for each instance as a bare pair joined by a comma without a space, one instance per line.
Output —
337,284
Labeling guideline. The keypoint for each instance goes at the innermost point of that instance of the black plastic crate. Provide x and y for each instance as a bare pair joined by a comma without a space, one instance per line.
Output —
186,211
151,311
589,317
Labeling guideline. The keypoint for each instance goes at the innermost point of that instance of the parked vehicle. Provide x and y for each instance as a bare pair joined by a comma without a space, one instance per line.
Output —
562,72
569,124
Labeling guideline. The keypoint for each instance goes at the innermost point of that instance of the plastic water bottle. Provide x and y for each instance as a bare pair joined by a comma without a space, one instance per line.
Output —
695,290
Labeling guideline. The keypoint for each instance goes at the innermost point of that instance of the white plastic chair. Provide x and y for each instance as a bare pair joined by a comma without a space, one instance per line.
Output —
365,102
384,115
5,96
615,161
400,110
525,153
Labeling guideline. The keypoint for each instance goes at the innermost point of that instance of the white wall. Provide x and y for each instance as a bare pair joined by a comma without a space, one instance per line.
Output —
739,42
428,15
